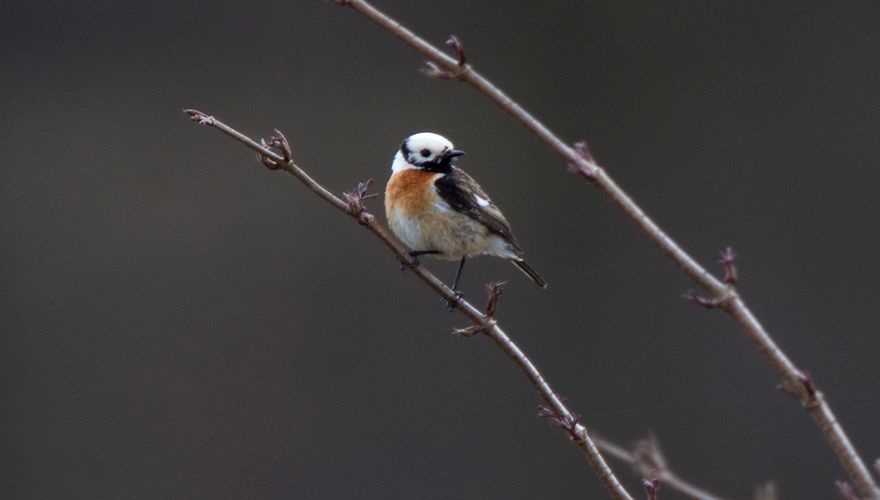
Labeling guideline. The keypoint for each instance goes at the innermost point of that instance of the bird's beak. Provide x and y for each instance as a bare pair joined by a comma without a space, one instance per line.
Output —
452,153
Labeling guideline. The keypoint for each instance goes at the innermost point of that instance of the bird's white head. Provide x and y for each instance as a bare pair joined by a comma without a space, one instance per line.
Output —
425,151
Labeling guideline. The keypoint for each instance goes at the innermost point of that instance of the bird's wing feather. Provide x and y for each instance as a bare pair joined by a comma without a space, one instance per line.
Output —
463,194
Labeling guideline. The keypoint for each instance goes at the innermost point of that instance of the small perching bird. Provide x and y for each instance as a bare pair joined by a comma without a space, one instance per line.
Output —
437,209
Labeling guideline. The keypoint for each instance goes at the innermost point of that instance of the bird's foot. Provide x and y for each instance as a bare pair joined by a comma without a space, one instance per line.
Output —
452,305
404,265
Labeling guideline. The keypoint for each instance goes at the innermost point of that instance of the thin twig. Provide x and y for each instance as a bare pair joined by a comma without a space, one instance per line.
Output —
648,461
724,294
652,487
483,322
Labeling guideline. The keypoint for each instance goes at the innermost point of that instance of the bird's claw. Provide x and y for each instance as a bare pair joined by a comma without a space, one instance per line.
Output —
452,305
404,265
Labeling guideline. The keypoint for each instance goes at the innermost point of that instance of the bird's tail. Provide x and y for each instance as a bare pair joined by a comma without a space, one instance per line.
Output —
531,273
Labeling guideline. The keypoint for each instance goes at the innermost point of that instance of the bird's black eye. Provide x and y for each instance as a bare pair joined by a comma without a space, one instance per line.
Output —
425,152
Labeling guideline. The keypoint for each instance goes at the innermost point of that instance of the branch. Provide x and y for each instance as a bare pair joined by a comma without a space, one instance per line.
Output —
647,461
724,294
268,155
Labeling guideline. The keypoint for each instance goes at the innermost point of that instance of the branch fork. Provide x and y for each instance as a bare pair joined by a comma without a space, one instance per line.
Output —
355,199
569,421
648,457
277,143
586,166
431,69
727,295
727,292
494,289
801,388
652,487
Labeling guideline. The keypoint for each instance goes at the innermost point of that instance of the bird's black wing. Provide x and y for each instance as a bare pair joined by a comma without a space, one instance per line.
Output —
463,194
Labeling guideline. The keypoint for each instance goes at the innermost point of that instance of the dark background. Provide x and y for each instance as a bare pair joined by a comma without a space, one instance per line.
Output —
179,322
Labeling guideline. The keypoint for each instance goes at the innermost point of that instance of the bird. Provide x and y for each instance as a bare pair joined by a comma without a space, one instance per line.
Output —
437,209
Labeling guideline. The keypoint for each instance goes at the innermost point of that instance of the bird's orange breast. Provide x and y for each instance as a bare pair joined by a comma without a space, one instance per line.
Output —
410,193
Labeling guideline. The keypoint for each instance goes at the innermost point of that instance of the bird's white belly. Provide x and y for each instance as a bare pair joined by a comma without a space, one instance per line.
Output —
451,233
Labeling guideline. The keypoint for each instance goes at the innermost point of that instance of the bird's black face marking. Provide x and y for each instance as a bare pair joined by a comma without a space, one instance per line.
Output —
440,163
404,149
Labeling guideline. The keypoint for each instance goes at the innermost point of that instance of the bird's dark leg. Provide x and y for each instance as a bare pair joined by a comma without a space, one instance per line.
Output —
458,294
458,275
415,255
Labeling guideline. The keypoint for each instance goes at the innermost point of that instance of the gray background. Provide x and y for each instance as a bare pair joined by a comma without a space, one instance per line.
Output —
178,322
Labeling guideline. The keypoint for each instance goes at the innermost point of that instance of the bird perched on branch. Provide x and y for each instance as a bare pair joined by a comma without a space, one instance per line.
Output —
437,209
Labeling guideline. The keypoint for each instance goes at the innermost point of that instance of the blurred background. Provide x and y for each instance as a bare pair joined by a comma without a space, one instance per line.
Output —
178,322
